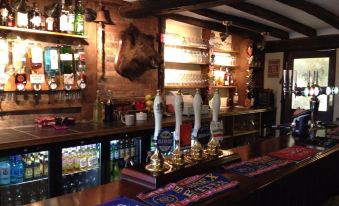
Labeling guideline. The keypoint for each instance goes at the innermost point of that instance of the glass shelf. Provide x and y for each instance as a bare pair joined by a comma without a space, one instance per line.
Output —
23,183
42,32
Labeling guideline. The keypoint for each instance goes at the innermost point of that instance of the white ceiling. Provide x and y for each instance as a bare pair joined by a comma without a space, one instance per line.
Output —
321,27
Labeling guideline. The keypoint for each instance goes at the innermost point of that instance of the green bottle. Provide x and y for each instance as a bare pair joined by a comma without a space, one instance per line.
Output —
66,65
79,19
116,171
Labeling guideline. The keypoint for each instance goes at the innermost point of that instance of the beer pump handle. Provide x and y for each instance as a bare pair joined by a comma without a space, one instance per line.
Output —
157,109
197,103
216,106
178,109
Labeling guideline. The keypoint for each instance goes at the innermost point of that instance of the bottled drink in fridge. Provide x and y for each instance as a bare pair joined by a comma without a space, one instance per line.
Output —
5,171
37,173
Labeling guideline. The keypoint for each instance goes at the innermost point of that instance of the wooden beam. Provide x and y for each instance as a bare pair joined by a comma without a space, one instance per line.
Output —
244,23
302,44
213,26
160,7
314,10
274,17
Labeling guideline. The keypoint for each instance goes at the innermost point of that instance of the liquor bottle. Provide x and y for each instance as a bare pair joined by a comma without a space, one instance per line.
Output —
197,104
21,16
5,9
66,65
109,107
80,66
116,171
28,167
227,78
49,23
45,164
34,17
5,171
19,64
97,108
35,55
231,78
63,19
20,169
77,158
37,173
79,19
83,158
235,98
70,17
51,60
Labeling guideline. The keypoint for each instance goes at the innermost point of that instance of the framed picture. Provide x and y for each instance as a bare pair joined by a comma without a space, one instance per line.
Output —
273,68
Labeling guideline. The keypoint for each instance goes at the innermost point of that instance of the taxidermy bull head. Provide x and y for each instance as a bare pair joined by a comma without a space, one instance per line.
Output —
136,54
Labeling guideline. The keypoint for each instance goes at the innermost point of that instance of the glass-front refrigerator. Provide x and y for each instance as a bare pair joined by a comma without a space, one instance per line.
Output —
124,153
80,167
24,178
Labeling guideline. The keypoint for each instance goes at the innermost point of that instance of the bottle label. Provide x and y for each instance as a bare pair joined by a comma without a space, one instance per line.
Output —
70,22
37,171
4,13
54,59
46,169
36,55
3,53
116,153
49,23
22,19
92,161
66,57
28,173
36,21
83,163
37,78
63,22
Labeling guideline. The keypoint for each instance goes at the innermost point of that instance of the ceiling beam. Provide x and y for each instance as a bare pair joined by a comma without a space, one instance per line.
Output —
274,17
302,44
242,22
213,26
314,10
160,7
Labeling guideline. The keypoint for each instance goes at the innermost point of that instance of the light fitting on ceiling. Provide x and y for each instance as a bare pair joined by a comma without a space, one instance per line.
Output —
261,44
224,35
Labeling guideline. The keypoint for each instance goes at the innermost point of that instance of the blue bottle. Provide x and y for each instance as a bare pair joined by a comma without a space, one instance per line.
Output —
12,161
19,167
5,171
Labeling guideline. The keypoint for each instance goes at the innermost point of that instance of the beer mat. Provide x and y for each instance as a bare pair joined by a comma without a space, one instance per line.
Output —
122,201
188,190
257,166
295,153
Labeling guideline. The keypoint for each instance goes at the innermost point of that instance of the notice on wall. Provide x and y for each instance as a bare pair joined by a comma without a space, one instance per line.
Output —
273,68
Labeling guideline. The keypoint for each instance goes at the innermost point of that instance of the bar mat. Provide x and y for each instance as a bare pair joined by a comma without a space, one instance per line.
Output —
188,190
295,153
122,201
257,166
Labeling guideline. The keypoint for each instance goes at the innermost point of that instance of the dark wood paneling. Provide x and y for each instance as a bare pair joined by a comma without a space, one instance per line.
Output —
243,23
149,8
315,10
274,17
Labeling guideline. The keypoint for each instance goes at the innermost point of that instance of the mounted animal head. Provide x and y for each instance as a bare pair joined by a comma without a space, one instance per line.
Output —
136,54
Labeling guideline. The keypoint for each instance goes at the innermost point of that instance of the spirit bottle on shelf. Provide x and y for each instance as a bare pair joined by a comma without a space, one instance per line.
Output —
37,77
70,17
66,64
227,78
97,108
80,66
4,60
79,19
52,15
19,64
51,56
63,19
21,16
34,17
109,107
5,9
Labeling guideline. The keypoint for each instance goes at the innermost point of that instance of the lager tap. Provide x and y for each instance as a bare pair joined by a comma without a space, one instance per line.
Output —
178,107
177,155
157,109
196,149
197,103
216,106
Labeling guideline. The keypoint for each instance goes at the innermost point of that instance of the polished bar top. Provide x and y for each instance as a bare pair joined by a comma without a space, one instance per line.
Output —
248,185
32,136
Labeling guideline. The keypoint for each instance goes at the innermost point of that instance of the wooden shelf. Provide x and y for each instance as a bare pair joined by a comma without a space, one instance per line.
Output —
224,51
184,87
224,87
187,46
194,63
236,134
42,32
230,66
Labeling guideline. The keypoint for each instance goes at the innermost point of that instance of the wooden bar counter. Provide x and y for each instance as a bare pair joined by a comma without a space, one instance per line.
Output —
309,182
